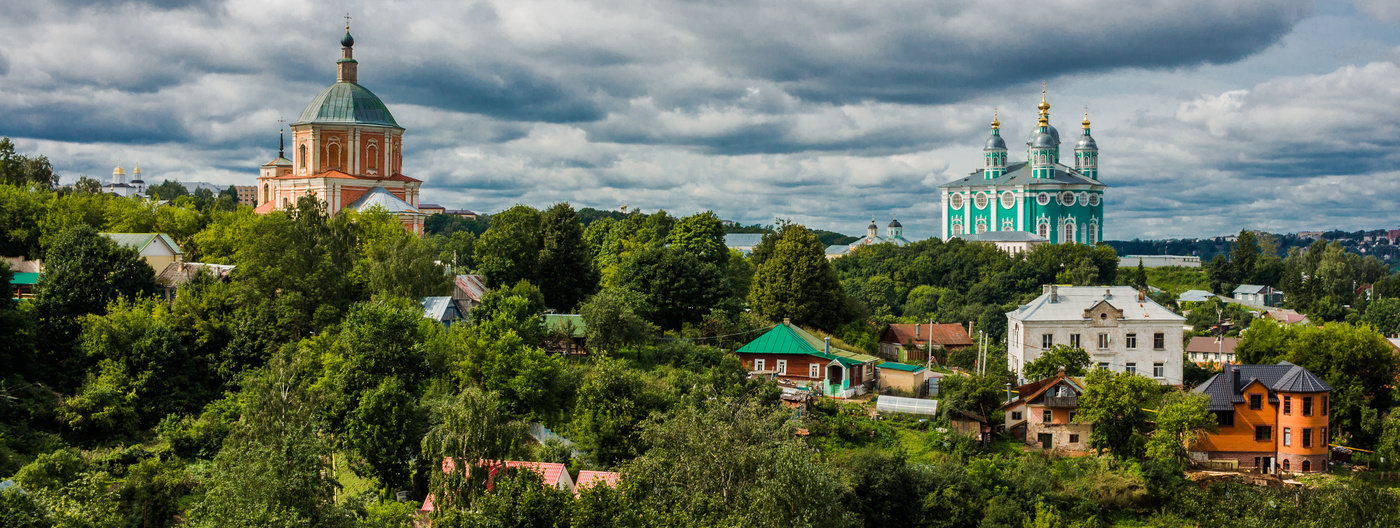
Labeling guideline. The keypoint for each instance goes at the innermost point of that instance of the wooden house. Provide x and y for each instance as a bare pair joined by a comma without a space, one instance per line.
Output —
792,354
896,339
1045,414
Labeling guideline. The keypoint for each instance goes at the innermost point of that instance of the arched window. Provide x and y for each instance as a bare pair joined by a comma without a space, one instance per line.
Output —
301,156
1285,464
267,194
1068,235
333,156
373,154
1043,229
1307,466
981,226
285,203
957,229
1008,225
1093,233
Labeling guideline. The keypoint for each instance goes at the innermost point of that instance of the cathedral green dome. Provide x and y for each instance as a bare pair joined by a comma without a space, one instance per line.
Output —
347,103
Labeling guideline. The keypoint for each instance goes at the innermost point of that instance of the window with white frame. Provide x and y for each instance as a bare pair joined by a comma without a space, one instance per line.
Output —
782,367
1047,340
814,370
1131,341
758,364
1074,341
1159,370
1103,341
1131,368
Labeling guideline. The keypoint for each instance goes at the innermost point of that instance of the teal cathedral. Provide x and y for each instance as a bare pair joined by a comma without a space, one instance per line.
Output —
1057,203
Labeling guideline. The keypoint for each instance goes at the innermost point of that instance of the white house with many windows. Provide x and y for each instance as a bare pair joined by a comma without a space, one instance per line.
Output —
1120,327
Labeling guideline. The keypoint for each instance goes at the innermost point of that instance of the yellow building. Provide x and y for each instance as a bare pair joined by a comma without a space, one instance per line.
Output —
157,249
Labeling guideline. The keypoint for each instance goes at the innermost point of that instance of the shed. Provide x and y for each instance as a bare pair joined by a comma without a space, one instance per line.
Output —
440,309
902,377
566,334
23,285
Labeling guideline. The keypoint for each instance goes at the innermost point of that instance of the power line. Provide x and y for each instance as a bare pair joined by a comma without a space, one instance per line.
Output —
715,337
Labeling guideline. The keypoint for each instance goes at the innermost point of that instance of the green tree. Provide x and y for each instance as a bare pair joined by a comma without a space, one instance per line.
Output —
519,498
301,264
21,170
797,282
1113,402
702,235
979,394
87,185
675,286
19,510
1181,420
612,323
1244,257
1084,273
167,190
509,251
565,267
457,249
474,426
83,273
385,431
1075,362
405,267
732,463
609,409
1384,314
493,356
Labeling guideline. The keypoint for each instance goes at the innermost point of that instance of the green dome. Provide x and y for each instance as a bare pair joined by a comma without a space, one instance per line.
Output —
346,103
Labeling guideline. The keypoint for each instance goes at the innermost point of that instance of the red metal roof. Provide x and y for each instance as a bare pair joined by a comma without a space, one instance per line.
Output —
553,474
951,335
587,478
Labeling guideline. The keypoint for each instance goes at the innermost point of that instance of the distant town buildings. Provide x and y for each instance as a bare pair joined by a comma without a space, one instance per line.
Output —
1056,202
119,185
1256,295
1121,328
1159,261
1204,350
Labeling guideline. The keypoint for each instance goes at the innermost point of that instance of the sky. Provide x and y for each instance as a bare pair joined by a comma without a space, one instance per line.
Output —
1211,115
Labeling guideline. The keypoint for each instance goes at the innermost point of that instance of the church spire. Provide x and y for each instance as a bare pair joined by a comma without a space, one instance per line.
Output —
1086,152
346,67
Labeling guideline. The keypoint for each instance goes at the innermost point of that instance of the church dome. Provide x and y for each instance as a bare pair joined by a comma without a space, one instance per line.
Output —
1054,135
347,40
1044,140
1086,142
995,142
347,103
895,223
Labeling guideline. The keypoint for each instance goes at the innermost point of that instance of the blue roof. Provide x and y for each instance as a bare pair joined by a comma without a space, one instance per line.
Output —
347,103
379,196
436,308
1019,173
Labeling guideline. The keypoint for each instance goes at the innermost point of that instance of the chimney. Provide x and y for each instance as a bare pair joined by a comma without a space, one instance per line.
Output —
1235,376
1142,295
969,328
916,331
1107,293
828,345
1054,293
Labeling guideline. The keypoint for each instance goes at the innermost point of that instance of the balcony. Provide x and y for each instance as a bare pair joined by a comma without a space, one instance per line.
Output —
1062,401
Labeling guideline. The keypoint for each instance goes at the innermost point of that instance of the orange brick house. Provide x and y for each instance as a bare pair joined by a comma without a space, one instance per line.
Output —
1045,413
1271,418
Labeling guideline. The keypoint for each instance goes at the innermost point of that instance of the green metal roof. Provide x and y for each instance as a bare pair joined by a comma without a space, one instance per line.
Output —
572,323
25,278
900,366
347,103
788,339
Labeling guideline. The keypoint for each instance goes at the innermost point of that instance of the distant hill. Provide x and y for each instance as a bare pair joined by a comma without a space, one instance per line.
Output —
1372,242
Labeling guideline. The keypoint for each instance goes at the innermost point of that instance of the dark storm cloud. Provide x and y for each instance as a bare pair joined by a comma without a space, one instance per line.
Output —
84,122
499,90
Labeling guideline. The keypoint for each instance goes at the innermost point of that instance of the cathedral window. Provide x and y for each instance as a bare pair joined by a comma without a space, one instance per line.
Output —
1068,235
333,156
981,226
373,154
957,228
1008,199
267,195
1043,199
955,201
981,200
1094,200
1008,225
1067,198
1043,229
1093,233
301,155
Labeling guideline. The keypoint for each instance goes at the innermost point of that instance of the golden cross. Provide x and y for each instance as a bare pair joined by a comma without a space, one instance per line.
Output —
347,21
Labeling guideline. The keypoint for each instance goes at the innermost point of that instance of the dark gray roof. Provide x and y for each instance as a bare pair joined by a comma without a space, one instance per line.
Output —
895,223
1224,392
1035,130
1086,142
1043,141
995,142
1019,173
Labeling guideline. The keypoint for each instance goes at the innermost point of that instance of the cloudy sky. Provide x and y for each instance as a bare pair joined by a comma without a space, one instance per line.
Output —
1211,115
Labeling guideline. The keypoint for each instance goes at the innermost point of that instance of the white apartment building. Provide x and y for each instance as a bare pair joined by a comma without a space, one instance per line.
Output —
1118,326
